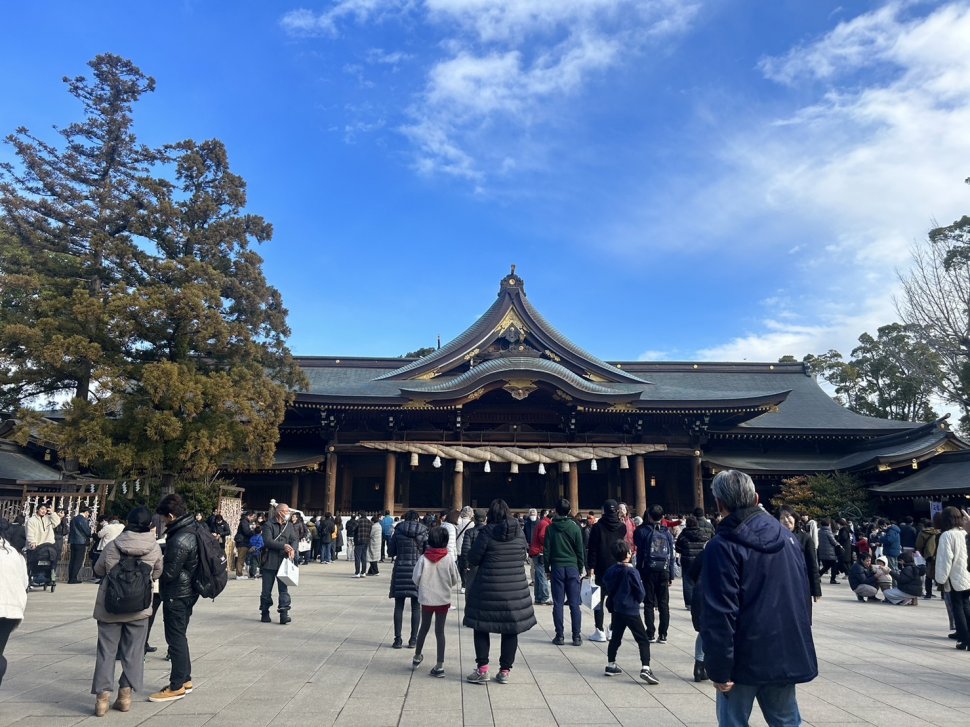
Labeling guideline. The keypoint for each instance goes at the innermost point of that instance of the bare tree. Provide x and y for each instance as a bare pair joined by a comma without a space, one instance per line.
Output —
935,304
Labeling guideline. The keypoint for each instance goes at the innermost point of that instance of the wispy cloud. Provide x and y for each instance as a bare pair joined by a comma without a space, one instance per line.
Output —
857,175
503,68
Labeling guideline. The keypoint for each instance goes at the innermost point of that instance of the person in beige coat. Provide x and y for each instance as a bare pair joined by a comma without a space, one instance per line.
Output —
123,635
40,526
952,574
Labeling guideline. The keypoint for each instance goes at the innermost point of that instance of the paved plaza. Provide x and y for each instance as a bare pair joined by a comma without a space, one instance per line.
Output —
333,665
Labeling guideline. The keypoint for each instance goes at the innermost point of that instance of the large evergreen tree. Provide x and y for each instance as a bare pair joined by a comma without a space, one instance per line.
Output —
131,286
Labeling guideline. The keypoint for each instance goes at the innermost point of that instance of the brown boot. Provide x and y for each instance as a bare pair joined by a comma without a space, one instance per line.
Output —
101,705
123,702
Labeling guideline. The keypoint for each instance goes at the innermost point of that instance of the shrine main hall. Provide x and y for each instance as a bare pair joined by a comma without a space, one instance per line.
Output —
512,408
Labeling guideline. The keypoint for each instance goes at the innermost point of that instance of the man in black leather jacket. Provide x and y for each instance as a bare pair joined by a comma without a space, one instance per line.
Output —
178,596
280,541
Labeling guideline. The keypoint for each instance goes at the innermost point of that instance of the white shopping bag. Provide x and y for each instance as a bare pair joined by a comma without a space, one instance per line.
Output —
589,593
289,573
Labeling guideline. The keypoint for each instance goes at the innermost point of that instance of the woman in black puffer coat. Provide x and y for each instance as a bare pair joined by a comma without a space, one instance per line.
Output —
690,544
406,546
498,600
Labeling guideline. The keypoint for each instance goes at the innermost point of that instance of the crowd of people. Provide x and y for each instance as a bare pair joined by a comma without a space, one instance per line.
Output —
749,579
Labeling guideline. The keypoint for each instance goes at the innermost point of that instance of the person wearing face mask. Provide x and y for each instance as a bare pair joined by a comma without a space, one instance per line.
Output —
280,541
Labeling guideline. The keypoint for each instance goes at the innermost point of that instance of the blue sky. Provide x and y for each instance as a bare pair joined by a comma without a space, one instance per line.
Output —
675,179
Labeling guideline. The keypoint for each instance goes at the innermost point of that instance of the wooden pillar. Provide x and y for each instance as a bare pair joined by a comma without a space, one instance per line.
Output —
331,486
390,473
458,491
698,477
640,485
347,488
574,487
295,492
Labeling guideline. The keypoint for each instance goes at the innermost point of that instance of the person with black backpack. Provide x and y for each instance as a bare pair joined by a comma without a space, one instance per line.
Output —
655,562
178,593
127,567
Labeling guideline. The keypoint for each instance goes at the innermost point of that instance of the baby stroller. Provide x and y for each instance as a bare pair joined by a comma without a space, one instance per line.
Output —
41,562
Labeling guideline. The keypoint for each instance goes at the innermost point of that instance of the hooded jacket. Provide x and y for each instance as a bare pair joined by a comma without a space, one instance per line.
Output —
498,600
138,545
951,561
690,544
564,544
828,546
756,622
624,587
406,546
607,530
891,547
435,576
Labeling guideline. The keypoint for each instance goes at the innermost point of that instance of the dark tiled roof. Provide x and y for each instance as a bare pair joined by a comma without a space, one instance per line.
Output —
888,449
17,466
946,473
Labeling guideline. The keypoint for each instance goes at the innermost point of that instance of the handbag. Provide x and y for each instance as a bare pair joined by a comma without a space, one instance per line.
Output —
289,573
589,594
303,546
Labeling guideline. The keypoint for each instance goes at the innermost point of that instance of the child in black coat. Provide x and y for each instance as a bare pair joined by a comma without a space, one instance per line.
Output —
625,594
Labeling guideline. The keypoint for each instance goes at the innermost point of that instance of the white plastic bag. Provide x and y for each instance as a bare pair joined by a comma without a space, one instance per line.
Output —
589,593
918,559
289,573
303,546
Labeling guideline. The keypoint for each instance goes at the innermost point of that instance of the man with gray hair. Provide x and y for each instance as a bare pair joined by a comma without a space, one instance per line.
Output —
756,624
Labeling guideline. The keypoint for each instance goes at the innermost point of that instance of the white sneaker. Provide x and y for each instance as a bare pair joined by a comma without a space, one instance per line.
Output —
463,589
598,636
609,634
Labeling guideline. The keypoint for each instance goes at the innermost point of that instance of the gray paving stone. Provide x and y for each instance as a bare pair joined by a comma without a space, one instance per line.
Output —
334,666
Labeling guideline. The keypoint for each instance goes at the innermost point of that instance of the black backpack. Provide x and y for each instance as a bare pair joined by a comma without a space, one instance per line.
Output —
128,586
212,573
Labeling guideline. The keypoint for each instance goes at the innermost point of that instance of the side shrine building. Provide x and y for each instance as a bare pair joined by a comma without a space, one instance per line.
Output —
511,408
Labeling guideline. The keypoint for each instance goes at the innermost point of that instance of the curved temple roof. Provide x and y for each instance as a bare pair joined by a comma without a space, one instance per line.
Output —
512,310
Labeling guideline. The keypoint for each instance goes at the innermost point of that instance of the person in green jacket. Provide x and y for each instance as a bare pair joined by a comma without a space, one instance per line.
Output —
565,559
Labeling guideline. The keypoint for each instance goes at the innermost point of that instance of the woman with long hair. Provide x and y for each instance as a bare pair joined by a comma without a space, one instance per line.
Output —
498,600
405,547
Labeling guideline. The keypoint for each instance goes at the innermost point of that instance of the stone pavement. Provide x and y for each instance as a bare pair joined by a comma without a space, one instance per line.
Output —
333,665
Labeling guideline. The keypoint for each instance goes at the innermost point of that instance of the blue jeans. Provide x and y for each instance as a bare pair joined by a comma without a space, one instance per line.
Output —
326,552
565,587
777,704
542,585
266,596
698,649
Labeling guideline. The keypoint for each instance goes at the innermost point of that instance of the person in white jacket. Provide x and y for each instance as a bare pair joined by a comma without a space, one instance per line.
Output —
952,574
13,593
40,526
436,576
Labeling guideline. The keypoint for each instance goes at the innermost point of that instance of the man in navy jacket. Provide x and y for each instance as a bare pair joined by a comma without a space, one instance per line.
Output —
756,625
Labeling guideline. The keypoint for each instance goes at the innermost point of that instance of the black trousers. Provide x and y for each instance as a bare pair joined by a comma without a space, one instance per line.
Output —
7,625
399,617
832,566
621,623
657,586
76,562
177,612
510,643
960,602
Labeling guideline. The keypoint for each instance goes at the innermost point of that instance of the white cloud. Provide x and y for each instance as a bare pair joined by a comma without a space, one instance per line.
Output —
505,66
853,178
